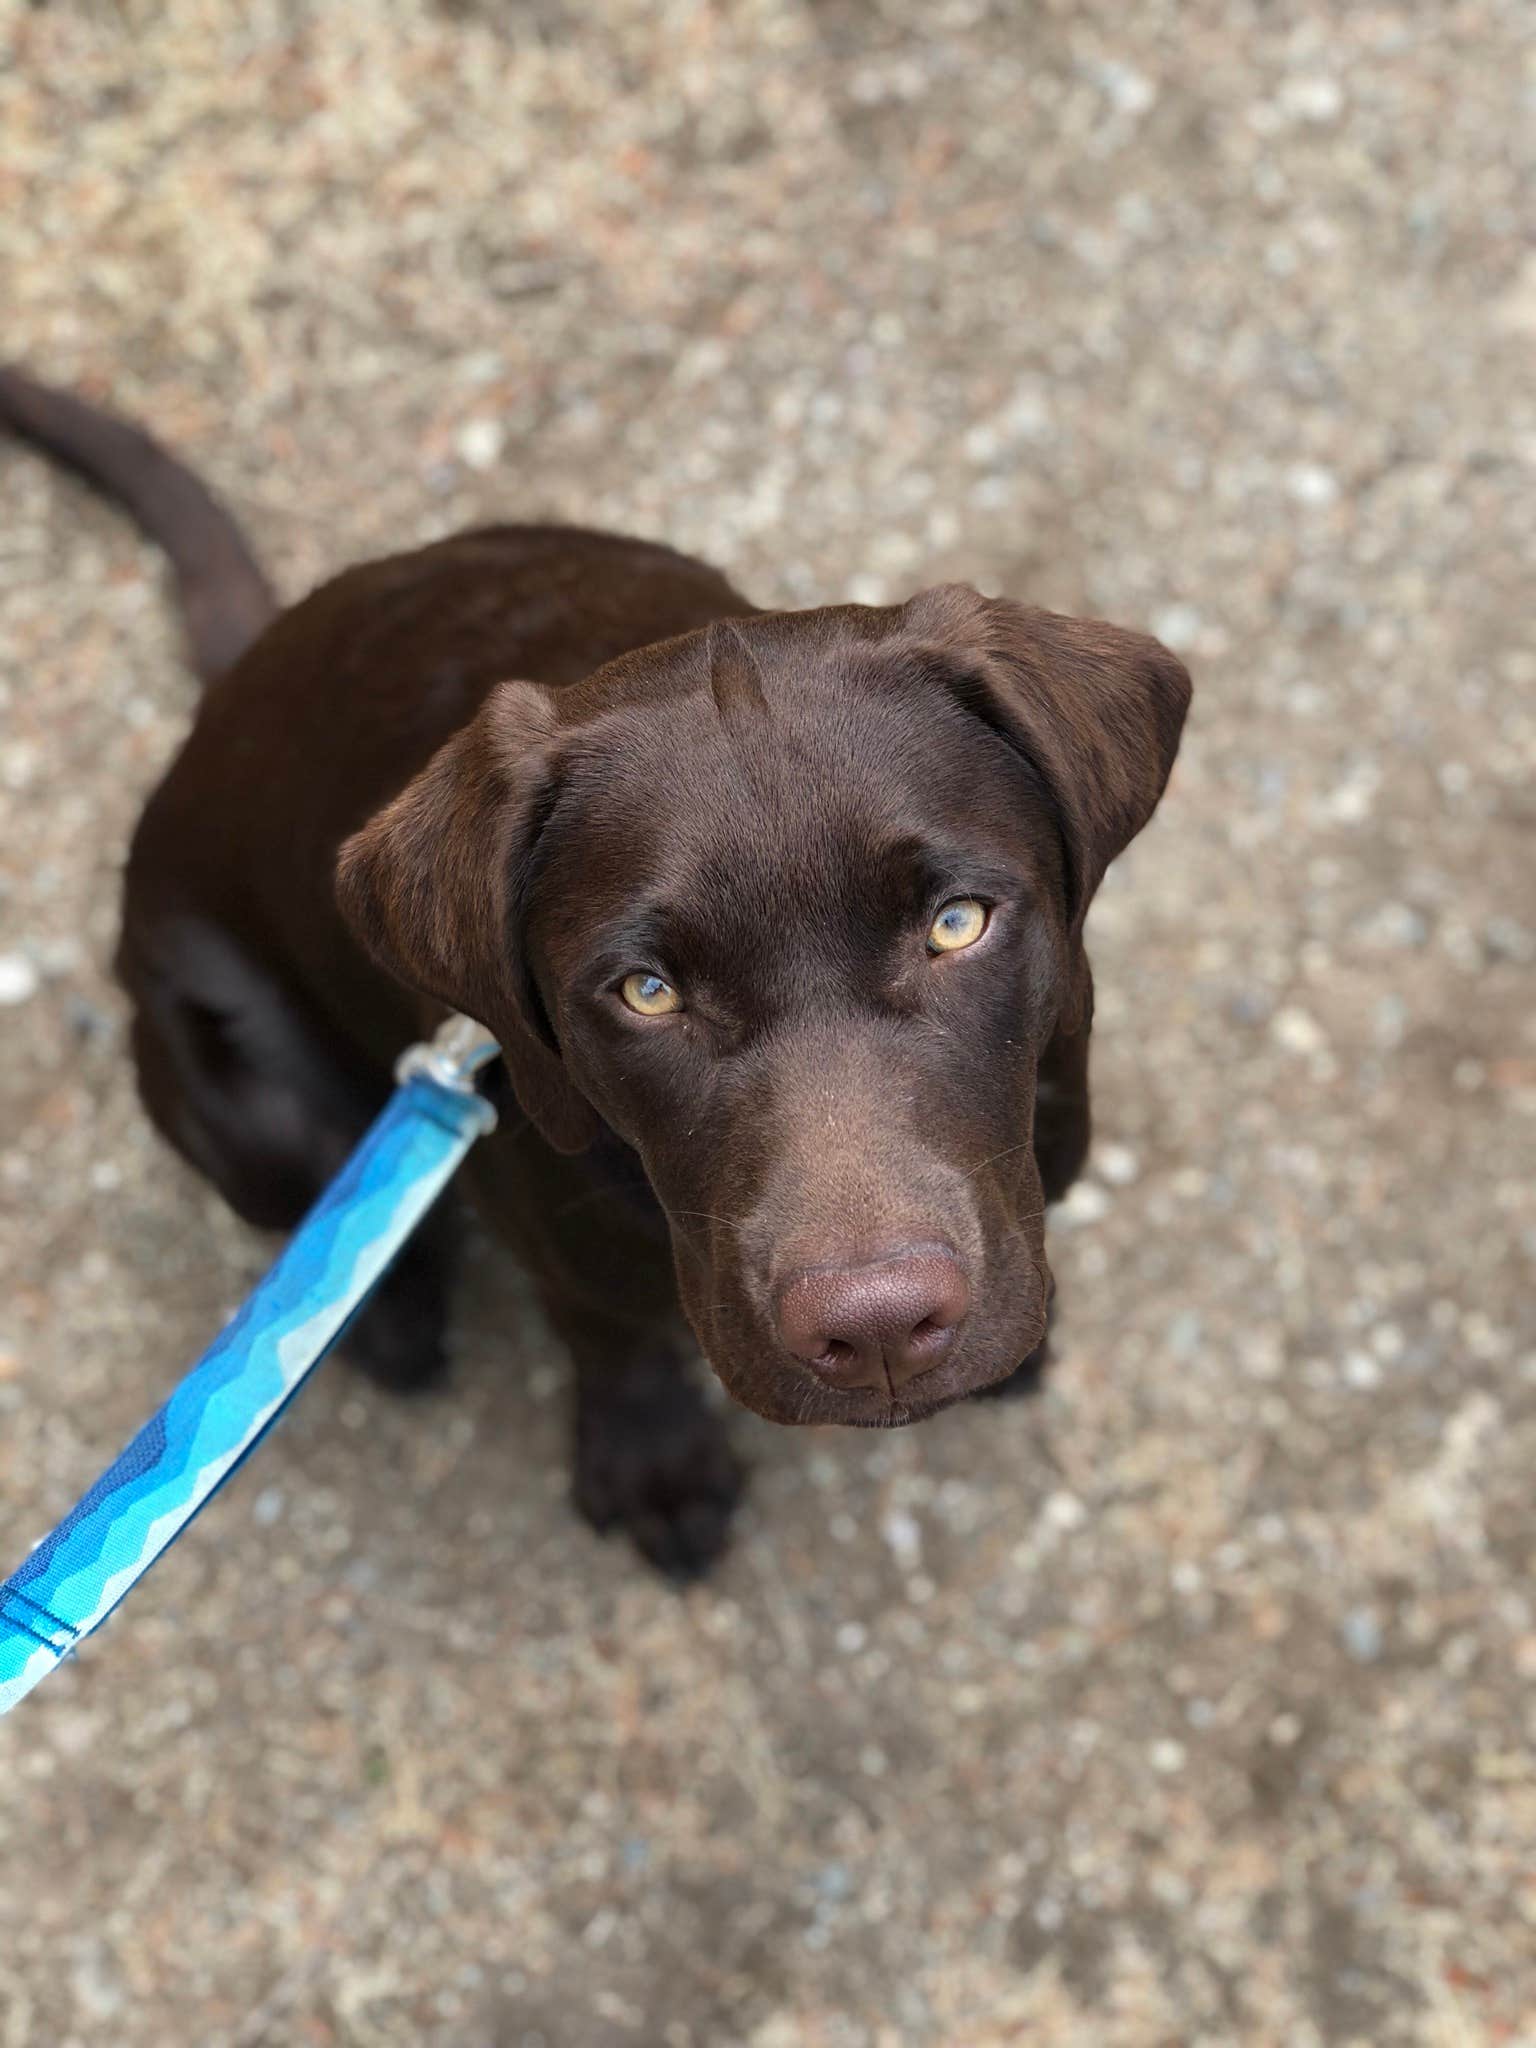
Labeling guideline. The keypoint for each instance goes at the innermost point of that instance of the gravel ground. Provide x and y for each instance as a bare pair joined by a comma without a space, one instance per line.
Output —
1191,1704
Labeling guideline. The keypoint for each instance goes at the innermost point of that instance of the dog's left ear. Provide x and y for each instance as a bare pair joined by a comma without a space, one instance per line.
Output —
1095,710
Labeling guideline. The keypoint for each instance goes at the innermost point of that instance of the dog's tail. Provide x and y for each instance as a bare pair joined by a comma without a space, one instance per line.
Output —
225,599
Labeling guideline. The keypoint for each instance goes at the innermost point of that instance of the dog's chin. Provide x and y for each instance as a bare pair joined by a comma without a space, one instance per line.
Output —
796,1399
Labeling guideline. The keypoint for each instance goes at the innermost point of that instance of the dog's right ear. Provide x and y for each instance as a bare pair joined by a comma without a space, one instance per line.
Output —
433,887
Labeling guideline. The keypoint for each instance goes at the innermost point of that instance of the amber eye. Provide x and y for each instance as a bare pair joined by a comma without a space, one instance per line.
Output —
958,925
649,996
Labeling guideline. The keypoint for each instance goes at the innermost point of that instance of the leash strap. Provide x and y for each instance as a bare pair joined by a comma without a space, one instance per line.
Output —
254,1367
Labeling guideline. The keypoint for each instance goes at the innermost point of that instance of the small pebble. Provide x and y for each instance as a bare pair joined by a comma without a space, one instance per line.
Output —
1065,1511
480,442
1311,485
1318,99
1178,626
904,1538
18,978
1117,1164
1086,1203
1297,1030
1361,1633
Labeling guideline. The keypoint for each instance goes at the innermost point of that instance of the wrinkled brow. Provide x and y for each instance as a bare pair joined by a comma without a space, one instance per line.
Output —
642,935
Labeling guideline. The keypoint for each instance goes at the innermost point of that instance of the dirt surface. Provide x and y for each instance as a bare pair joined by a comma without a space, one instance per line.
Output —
1191,1704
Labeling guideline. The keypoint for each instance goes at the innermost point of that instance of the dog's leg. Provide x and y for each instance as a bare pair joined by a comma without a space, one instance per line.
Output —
652,1458
254,1096
399,1337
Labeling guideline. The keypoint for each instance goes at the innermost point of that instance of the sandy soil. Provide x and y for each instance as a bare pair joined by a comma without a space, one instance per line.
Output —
1190,1705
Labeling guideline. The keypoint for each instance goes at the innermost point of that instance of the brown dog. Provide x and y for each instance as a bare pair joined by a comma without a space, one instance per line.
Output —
777,917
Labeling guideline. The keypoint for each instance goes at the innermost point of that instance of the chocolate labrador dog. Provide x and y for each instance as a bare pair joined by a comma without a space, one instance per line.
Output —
777,917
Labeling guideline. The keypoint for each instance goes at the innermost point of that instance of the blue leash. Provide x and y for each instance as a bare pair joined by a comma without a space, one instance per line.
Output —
254,1367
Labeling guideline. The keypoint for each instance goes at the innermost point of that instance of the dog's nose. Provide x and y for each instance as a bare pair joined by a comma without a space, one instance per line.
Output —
878,1324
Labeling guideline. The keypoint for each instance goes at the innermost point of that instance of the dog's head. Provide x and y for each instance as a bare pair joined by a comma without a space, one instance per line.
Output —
794,904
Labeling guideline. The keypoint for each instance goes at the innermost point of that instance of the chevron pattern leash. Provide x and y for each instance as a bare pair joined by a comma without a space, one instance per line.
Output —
229,1400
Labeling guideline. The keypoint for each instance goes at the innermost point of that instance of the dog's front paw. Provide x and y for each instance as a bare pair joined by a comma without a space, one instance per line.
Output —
398,1341
399,1336
665,1473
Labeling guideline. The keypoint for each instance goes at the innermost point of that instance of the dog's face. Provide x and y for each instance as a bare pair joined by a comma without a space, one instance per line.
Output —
794,905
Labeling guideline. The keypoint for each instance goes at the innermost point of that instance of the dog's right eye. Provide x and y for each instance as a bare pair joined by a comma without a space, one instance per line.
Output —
649,996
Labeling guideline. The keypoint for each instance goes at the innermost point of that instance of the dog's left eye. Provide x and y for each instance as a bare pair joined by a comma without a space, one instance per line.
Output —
958,925
649,996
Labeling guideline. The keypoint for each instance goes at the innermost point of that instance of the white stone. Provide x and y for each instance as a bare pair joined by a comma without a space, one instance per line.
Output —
18,978
1310,484
1362,1372
982,443
480,442
904,1537
1178,626
1315,98
1028,415
1087,1203
1065,1511
1130,92
1355,798
1117,1164
1296,1030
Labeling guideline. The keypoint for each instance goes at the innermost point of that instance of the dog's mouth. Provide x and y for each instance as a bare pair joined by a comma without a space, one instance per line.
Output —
870,1338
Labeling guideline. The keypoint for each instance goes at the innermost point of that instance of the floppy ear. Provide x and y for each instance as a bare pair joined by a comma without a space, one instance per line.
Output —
433,887
1095,710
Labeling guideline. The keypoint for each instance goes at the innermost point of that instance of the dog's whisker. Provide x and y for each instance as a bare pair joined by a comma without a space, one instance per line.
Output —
1020,1217
1007,1152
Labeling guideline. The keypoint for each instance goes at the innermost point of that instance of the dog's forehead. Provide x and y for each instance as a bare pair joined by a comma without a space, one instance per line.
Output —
822,767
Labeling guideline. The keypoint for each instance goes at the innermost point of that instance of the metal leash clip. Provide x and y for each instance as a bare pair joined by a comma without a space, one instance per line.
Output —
452,1056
